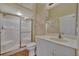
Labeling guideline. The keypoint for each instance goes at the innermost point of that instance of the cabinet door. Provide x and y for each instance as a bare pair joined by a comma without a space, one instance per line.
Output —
61,50
45,48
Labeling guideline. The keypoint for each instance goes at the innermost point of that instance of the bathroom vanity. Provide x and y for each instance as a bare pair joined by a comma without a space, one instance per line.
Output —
53,46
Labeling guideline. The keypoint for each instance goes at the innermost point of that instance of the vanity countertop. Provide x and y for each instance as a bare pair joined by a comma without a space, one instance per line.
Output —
64,41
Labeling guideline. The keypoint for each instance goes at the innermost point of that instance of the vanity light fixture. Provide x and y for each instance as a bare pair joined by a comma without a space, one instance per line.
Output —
51,5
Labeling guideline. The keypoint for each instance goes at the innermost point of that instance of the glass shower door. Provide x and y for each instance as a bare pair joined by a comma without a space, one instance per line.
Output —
10,33
26,31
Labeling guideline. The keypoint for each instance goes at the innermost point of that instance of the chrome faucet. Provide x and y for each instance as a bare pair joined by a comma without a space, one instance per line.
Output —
60,36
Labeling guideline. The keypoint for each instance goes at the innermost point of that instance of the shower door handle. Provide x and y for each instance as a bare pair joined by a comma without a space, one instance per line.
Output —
3,27
0,30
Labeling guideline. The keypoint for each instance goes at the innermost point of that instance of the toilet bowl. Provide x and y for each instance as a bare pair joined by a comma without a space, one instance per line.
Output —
32,48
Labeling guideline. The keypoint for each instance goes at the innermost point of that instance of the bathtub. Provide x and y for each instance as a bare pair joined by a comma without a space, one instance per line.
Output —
12,45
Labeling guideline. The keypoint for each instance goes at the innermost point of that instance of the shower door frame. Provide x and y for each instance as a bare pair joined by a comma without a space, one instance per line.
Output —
31,31
4,13
0,35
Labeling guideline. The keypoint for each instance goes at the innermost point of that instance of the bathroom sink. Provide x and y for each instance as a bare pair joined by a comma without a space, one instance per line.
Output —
59,40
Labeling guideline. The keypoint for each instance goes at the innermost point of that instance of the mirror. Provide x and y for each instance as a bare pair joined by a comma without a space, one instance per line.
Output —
67,21
63,18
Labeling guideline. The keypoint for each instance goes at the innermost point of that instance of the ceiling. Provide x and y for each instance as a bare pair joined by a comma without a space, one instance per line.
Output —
27,5
21,9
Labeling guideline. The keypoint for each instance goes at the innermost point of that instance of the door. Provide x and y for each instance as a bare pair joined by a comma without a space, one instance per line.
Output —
10,33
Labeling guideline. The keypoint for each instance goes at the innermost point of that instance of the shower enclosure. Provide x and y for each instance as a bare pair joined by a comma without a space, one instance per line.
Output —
15,32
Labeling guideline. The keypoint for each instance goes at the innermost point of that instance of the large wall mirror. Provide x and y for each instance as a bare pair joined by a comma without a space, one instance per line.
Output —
67,21
63,17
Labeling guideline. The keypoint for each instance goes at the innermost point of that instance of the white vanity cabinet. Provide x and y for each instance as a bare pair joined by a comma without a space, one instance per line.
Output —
61,50
48,48
44,48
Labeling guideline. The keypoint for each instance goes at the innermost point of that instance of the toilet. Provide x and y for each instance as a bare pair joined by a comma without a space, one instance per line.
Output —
32,48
